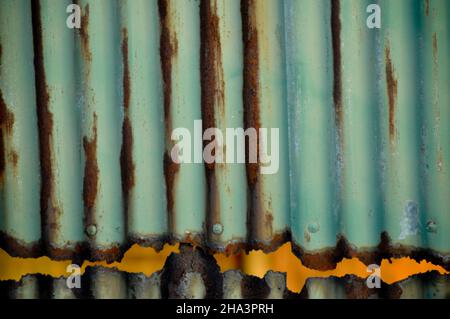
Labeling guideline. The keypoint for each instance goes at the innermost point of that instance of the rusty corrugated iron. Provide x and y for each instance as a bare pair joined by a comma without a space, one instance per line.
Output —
363,117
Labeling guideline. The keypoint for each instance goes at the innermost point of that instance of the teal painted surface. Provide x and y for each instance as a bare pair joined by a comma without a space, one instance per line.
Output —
102,118
229,205
20,183
65,198
146,211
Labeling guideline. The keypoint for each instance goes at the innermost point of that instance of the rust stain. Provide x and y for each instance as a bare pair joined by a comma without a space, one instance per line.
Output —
337,65
427,7
435,48
126,155
14,158
168,49
212,96
391,85
251,82
50,213
90,182
170,173
84,34
6,126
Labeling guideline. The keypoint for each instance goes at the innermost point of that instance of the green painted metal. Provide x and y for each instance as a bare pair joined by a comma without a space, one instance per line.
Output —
19,176
363,118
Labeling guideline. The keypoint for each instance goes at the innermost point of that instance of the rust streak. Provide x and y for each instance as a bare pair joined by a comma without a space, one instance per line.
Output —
427,7
391,82
337,61
251,82
126,155
49,212
83,31
435,48
6,126
212,95
90,183
168,50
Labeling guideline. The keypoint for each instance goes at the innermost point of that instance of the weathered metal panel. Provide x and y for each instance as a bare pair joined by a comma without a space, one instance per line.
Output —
87,118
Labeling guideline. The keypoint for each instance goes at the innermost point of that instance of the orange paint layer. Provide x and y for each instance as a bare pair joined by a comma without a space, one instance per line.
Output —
146,260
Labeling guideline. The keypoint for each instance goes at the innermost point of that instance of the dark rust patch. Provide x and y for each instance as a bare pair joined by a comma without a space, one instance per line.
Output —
127,165
253,287
168,48
18,248
6,126
6,116
435,49
427,7
190,260
391,85
251,82
126,157
49,212
90,182
14,158
170,173
126,70
337,64
84,34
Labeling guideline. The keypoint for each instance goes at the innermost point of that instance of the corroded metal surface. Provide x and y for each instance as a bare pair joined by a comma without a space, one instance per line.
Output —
86,120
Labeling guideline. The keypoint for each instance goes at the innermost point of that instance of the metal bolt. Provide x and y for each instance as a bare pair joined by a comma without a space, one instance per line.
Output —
431,226
217,229
313,227
91,230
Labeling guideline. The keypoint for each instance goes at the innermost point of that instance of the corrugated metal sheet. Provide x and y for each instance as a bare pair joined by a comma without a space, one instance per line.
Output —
363,117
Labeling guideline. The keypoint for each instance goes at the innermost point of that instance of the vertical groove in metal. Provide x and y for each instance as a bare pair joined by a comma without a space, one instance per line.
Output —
264,92
314,217
180,55
59,130
363,118
20,227
142,151
101,76
222,108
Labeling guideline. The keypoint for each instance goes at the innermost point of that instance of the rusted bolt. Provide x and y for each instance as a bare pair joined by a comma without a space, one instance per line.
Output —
91,230
431,226
217,229
313,227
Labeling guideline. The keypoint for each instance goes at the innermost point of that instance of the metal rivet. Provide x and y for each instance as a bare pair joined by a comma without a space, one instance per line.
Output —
91,230
431,226
313,227
217,229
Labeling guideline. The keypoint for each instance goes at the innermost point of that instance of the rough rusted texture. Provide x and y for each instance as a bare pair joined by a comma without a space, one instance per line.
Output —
337,65
191,260
356,288
389,250
435,48
254,288
84,34
6,127
127,165
90,182
50,213
251,82
109,255
171,174
391,86
212,98
18,248
168,48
